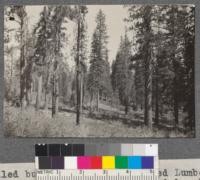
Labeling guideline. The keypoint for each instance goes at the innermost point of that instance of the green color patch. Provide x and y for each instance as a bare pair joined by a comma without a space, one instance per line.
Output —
121,162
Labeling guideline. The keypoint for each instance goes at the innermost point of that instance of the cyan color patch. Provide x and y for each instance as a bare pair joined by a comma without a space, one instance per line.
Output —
134,162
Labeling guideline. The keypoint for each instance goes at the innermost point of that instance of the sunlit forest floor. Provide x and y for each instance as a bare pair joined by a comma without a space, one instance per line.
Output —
31,123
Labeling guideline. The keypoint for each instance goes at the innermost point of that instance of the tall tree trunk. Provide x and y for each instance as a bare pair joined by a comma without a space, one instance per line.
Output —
150,116
91,99
21,62
148,100
175,67
31,93
53,104
55,88
46,92
156,97
57,96
78,101
98,100
176,116
11,77
47,68
126,109
148,70
27,96
39,92
81,95
145,100
54,97
46,100
78,91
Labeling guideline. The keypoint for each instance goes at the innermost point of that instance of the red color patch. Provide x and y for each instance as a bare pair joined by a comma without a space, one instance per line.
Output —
96,162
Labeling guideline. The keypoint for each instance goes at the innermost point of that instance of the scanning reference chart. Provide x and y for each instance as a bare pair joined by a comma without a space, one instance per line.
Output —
171,169
96,161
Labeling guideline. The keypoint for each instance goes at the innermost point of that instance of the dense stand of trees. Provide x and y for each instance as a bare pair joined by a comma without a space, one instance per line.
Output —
153,72
163,35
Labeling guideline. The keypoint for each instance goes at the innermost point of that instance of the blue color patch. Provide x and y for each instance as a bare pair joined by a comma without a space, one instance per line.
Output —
147,162
134,162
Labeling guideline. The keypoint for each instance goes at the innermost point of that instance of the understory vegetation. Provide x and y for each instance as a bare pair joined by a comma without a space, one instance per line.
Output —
28,123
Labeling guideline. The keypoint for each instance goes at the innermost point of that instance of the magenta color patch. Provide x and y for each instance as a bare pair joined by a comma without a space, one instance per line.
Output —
84,162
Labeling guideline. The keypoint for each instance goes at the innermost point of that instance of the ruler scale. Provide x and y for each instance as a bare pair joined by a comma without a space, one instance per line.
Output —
95,175
96,162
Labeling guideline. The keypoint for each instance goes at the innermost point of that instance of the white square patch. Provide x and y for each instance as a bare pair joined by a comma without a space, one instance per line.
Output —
70,162
151,150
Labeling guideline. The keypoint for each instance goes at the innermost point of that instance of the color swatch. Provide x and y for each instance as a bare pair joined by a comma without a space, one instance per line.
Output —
96,149
96,162
101,156
108,162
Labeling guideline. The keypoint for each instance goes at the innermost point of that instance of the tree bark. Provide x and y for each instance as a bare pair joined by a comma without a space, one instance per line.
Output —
46,100
175,81
39,92
176,116
97,100
81,95
156,98
91,99
54,97
57,96
55,89
46,92
126,109
148,70
22,63
78,91
27,96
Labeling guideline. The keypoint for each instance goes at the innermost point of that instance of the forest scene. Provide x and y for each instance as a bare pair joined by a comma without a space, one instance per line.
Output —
99,71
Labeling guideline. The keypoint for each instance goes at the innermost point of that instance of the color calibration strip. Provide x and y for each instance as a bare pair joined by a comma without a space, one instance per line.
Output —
96,149
95,162
96,156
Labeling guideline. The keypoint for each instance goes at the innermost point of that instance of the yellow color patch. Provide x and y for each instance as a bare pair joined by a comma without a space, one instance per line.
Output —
108,162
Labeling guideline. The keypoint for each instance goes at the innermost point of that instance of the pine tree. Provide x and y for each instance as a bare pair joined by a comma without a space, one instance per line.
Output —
186,26
175,62
138,66
122,76
43,53
57,20
141,17
99,77
176,47
48,48
161,72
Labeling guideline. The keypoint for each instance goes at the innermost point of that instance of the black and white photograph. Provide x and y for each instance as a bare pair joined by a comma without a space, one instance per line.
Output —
99,71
